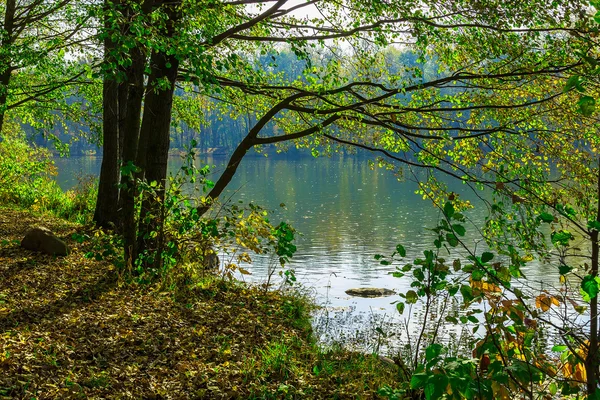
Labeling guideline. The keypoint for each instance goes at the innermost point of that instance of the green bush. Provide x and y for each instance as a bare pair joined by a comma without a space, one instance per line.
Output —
26,180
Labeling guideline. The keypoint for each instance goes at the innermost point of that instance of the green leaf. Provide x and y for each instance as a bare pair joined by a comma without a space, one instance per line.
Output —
566,210
561,238
452,290
546,217
564,269
467,293
433,351
477,275
400,307
418,381
573,82
459,217
594,225
591,60
411,297
419,274
459,229
448,210
486,256
452,239
559,348
587,105
401,250
468,268
590,286
436,387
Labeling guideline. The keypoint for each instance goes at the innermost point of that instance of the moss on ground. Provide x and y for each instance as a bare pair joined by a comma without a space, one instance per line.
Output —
71,328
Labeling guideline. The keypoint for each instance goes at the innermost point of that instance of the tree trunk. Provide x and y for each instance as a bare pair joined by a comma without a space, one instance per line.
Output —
123,89
5,63
135,79
230,170
154,140
592,360
123,94
4,81
108,191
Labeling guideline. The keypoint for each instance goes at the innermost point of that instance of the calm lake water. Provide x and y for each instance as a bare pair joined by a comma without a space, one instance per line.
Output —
346,213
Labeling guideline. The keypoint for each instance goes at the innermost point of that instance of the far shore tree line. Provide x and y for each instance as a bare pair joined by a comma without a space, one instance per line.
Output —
495,94
212,124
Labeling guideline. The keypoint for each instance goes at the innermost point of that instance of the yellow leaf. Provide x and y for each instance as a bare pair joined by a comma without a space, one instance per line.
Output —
580,373
500,392
544,302
244,271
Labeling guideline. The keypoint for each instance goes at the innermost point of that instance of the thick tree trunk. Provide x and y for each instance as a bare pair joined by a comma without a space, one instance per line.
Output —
135,79
4,81
156,124
154,135
123,94
592,361
108,191
123,90
153,152
6,68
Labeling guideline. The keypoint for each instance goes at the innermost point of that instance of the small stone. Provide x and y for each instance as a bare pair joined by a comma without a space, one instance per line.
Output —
370,292
43,240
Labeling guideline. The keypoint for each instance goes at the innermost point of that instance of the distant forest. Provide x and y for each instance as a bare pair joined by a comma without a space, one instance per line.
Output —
213,124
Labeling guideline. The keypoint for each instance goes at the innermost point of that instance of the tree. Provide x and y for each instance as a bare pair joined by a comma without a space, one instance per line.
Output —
35,37
105,213
345,95
484,103
544,171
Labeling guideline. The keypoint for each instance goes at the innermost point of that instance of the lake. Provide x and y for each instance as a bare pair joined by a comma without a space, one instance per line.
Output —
347,213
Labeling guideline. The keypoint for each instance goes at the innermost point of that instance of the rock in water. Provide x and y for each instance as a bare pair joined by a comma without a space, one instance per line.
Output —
370,292
43,240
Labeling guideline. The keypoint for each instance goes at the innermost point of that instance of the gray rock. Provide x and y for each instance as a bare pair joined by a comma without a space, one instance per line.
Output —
43,240
370,292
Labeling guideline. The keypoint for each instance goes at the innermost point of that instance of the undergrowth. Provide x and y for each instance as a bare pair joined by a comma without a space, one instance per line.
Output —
82,327
26,180
76,327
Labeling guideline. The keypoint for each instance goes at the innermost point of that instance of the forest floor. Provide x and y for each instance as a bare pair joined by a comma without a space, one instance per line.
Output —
71,327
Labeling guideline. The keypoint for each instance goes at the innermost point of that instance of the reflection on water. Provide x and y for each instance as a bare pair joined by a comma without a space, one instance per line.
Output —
346,214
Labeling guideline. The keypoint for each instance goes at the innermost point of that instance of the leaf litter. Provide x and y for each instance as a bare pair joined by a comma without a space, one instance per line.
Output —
71,328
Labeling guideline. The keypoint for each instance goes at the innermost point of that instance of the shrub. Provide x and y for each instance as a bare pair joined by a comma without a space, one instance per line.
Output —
26,180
